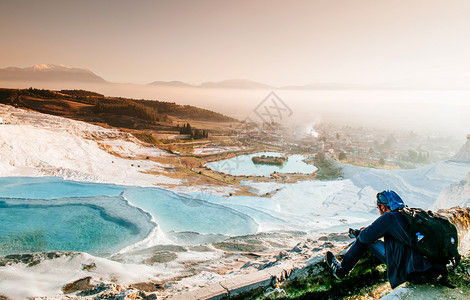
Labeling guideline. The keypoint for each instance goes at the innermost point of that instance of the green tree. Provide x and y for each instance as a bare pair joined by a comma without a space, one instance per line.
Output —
186,129
382,161
412,155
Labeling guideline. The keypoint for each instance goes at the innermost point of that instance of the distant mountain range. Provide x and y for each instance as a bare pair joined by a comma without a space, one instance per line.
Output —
170,83
49,72
226,84
254,85
236,84
62,73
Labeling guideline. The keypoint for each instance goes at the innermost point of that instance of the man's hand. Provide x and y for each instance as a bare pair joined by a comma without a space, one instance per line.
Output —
353,233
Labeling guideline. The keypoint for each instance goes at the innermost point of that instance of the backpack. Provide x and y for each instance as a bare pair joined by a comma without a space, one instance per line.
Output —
435,237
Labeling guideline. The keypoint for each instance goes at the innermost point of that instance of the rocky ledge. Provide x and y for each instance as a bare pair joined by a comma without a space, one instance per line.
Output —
299,273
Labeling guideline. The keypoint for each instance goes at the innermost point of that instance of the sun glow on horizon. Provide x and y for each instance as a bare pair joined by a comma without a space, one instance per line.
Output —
273,42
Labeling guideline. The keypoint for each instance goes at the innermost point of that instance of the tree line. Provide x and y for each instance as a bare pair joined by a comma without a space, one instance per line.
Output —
186,111
194,133
148,110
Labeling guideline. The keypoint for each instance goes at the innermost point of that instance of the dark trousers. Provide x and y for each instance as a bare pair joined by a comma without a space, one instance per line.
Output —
356,252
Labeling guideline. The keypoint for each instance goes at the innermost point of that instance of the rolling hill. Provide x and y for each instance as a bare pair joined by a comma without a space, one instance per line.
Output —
50,72
113,111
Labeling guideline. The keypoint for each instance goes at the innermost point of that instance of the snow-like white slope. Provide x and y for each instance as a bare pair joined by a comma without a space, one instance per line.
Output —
464,154
39,145
418,187
455,194
20,281
43,145
312,203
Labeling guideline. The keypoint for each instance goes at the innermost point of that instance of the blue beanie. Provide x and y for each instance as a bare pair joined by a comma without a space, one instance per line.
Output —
390,199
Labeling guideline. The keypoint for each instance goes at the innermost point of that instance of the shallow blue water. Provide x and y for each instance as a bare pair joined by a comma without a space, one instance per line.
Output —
53,187
243,165
63,224
179,213
49,213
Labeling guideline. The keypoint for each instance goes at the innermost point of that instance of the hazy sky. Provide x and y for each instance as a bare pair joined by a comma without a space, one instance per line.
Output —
275,42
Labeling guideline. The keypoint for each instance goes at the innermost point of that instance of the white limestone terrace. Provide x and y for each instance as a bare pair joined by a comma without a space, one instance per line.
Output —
35,144
214,150
41,145
464,154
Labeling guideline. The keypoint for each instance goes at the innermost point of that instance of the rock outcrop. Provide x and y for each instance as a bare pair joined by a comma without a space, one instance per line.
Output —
32,259
457,194
302,271
464,154
298,272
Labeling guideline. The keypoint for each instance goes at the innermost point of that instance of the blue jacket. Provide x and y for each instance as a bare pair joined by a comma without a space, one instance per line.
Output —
401,260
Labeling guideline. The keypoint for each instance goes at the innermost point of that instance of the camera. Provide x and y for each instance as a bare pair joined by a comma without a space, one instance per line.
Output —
353,233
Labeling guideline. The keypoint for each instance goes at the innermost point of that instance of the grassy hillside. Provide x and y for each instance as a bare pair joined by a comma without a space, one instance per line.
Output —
114,111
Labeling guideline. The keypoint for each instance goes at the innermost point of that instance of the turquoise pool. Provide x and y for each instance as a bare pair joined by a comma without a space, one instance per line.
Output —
243,165
49,213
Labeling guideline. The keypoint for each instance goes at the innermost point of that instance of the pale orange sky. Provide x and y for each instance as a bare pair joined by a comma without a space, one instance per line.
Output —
275,42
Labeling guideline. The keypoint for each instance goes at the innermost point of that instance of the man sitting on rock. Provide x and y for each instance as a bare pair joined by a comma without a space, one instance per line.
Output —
403,263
